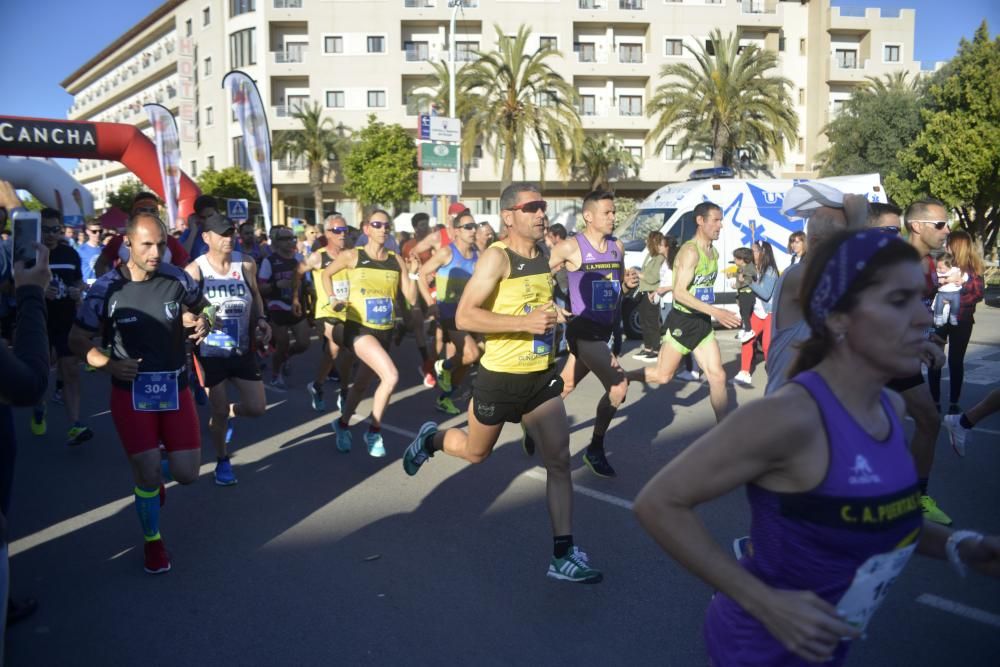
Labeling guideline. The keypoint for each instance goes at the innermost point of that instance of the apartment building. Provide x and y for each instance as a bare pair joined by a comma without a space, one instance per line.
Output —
358,58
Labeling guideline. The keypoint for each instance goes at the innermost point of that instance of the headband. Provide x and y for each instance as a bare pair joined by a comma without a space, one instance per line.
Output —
842,269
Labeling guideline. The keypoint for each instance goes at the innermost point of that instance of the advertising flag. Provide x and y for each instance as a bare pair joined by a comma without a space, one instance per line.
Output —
168,154
249,111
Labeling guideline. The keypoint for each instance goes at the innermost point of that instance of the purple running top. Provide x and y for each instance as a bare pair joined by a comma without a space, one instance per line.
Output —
595,288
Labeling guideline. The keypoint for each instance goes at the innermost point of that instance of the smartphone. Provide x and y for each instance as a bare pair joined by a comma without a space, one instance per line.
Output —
27,232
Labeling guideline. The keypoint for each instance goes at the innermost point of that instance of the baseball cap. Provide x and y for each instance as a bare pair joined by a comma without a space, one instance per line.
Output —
805,198
456,208
218,223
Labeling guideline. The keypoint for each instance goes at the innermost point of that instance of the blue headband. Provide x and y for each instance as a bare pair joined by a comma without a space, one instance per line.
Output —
842,269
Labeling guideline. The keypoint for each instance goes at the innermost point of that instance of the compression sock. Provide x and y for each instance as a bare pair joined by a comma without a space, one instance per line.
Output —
147,504
561,544
428,443
964,421
596,444
922,483
165,470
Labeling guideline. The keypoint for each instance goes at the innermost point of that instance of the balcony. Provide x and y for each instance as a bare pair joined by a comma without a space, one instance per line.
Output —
761,14
298,164
635,5
414,52
289,110
289,57
847,71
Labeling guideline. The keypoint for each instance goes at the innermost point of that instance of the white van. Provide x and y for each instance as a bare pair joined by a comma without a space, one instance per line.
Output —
751,210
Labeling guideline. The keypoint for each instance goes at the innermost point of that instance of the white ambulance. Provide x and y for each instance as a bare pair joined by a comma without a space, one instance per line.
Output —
751,210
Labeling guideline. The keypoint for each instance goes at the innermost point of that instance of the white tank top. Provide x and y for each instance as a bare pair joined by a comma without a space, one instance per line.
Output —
232,298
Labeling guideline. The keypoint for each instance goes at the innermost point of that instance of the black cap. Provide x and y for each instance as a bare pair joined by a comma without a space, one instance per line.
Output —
218,223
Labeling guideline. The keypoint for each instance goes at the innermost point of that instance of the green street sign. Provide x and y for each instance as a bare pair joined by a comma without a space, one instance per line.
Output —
438,156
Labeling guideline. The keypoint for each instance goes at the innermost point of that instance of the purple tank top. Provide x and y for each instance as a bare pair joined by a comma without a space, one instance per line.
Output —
868,504
595,288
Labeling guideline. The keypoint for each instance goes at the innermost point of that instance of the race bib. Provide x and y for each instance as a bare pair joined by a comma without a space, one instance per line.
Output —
341,289
705,294
378,311
541,344
155,392
604,294
226,335
870,586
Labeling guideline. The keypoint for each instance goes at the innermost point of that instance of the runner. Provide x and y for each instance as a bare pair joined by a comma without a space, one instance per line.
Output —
141,308
229,282
596,269
330,319
90,250
452,266
439,238
689,324
376,276
116,252
249,245
281,285
836,509
960,426
509,299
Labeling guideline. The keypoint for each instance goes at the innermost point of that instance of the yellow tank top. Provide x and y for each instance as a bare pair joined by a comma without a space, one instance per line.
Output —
374,284
323,308
528,286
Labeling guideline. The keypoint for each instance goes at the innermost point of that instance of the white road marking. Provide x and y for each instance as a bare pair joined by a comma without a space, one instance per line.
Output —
539,474
959,609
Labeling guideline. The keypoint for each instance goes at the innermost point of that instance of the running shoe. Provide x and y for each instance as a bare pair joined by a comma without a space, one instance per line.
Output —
689,376
574,567
57,397
343,436
742,547
157,558
527,444
416,454
442,375
427,370
641,354
78,435
954,409
376,448
598,464
38,425
932,512
279,383
230,428
224,473
959,435
746,336
316,393
444,404
743,379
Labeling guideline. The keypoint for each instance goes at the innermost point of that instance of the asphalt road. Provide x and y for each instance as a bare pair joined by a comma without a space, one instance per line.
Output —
317,557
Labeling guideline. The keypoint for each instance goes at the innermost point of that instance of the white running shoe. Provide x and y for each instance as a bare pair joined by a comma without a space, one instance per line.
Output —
689,376
743,379
959,435
746,336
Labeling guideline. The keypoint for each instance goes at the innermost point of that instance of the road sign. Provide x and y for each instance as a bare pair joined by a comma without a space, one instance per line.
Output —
237,209
440,183
440,128
438,156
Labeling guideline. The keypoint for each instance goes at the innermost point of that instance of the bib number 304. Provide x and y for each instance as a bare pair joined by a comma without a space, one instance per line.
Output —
155,392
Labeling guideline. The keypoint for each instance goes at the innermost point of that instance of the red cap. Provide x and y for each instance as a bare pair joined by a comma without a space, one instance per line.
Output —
455,208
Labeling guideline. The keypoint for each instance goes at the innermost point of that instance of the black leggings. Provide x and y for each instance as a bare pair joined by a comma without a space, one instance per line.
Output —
958,336
649,320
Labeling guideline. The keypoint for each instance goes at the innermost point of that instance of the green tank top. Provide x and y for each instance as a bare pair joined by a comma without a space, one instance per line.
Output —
702,285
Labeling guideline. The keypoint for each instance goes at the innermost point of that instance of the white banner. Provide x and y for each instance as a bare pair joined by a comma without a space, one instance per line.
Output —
168,154
249,109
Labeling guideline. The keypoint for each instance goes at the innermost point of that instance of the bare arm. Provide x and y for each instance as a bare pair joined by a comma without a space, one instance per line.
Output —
406,284
565,254
257,313
346,259
491,268
430,242
439,259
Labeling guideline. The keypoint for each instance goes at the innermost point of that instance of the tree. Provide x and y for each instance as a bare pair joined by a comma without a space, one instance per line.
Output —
519,99
32,204
382,165
956,157
123,196
230,183
320,143
897,81
726,103
602,156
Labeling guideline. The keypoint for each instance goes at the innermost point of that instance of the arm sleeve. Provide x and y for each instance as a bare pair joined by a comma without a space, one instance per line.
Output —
24,373
764,288
91,312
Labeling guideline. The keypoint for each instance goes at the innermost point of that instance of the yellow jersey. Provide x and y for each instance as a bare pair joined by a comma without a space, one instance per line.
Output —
323,308
374,284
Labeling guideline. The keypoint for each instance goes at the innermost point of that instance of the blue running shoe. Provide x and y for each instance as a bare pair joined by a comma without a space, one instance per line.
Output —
224,473
316,396
229,430
343,436
416,454
376,448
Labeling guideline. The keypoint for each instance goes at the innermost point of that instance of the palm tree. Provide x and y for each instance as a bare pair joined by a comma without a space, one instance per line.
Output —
601,155
320,143
433,93
521,99
898,81
726,103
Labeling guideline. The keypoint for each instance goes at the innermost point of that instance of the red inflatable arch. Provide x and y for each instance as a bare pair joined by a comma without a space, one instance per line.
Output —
43,137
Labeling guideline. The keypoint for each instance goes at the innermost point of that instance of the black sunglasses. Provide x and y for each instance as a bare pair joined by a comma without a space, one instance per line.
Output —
94,231
469,225
51,230
531,206
146,209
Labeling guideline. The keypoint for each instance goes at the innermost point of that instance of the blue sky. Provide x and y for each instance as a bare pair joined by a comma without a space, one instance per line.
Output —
46,40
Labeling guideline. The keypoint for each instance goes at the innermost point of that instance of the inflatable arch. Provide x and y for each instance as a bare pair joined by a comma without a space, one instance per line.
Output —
50,184
41,137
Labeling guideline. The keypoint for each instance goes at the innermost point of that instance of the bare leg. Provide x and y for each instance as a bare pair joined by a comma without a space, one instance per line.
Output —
710,359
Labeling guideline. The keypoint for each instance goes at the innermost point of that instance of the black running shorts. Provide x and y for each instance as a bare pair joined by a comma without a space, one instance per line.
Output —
505,397
580,328
220,369
685,332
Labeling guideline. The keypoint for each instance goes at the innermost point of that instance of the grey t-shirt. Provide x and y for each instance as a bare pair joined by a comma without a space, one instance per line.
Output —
784,348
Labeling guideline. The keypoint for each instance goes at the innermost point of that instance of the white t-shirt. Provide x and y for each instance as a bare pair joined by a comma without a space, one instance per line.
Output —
666,280
951,287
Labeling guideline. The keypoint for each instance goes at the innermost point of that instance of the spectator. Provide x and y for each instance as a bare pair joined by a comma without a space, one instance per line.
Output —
205,206
649,309
760,318
797,246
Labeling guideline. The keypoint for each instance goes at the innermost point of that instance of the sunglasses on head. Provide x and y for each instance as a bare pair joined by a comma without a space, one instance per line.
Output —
531,206
337,230
937,224
378,224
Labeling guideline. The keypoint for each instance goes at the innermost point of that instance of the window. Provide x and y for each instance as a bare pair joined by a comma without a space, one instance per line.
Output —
209,116
237,7
802,46
630,53
713,2
211,162
416,51
588,105
376,99
376,44
333,44
802,145
206,16
586,51
802,96
847,58
547,152
636,152
466,51
670,152
630,105
194,168
242,48
548,43
546,98
630,4
709,47
240,154
187,28
673,47
295,103
334,99
891,53
208,67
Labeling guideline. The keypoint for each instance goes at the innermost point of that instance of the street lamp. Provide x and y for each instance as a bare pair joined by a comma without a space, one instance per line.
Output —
455,6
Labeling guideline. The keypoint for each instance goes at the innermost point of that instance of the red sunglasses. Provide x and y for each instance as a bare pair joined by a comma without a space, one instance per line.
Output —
531,206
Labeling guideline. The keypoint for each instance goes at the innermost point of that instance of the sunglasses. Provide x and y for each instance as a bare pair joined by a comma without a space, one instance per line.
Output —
93,231
145,209
337,230
531,206
469,225
937,224
51,230
378,224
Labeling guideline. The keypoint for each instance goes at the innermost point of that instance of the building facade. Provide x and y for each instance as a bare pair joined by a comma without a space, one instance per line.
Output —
357,58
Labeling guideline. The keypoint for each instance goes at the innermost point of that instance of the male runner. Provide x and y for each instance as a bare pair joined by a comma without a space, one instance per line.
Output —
452,266
439,238
509,299
689,324
594,261
229,282
280,284
249,245
141,308
205,207
330,319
